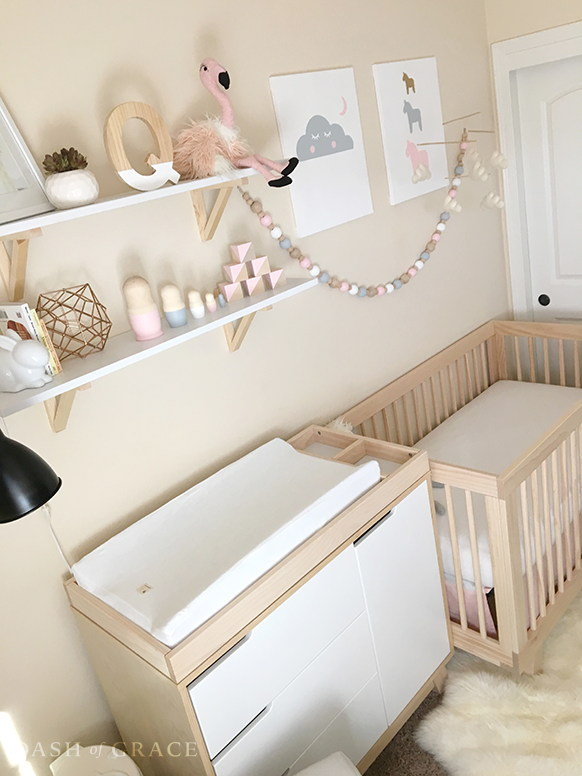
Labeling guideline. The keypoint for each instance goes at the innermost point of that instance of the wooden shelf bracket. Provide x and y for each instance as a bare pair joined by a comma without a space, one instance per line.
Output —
59,408
235,337
13,264
208,222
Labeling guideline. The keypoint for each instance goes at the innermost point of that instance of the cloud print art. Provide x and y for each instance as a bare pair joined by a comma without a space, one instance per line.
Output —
321,139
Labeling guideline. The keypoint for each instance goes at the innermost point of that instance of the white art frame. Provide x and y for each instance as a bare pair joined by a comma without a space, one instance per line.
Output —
22,191
330,187
411,119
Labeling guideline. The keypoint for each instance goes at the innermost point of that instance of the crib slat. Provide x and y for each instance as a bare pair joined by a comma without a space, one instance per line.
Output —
452,388
444,394
386,424
425,404
546,362
562,364
435,403
566,509
462,394
548,533
576,364
478,388
557,525
375,428
469,378
416,413
456,557
517,358
537,518
532,364
484,365
476,563
407,420
394,406
527,553
574,490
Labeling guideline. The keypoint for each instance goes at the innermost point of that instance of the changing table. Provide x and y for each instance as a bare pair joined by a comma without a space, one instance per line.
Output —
319,628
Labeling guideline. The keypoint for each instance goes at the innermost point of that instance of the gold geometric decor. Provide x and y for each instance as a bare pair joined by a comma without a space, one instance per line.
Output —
76,320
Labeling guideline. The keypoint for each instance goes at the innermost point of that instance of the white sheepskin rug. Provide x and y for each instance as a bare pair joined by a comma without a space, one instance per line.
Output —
490,724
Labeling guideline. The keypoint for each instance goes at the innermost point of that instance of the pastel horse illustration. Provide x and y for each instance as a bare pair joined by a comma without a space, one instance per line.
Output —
413,114
409,83
416,157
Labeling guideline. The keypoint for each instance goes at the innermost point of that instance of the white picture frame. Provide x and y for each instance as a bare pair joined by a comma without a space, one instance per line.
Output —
411,119
22,192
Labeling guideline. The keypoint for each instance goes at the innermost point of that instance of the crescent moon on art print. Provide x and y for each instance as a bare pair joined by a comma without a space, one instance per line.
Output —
345,108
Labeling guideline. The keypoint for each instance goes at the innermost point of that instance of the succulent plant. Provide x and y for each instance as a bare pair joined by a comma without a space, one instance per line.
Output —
66,160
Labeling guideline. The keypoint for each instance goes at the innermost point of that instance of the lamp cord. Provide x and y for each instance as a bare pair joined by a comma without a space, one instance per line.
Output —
48,515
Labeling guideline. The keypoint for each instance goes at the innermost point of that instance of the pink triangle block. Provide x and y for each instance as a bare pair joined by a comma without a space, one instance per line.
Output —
242,252
253,286
231,291
274,279
235,272
258,266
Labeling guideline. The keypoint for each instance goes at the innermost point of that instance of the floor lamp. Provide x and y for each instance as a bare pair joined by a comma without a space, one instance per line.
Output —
27,483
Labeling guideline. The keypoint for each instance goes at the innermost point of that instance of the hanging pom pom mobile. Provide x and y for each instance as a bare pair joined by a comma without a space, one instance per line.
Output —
355,289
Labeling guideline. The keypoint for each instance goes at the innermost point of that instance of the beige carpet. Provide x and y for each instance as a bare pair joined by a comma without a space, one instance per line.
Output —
403,756
491,724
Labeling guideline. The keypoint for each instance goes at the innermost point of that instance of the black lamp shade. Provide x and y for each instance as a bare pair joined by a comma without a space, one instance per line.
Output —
26,481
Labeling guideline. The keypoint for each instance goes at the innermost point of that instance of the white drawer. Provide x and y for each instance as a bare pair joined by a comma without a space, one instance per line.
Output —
354,731
234,690
295,718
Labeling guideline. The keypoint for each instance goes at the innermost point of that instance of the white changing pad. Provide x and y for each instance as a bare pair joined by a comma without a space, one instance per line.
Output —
198,552
489,434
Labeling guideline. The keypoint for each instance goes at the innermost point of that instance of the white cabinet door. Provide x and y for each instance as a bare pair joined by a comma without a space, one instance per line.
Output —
402,586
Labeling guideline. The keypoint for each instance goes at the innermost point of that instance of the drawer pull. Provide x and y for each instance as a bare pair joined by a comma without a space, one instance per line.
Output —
221,660
376,525
245,731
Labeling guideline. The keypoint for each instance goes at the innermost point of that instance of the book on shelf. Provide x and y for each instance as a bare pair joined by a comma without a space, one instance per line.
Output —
25,322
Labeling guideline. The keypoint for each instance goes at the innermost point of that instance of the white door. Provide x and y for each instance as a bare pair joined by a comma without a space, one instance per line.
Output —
549,105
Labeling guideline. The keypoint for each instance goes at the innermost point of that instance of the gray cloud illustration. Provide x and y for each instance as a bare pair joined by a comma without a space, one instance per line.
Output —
321,139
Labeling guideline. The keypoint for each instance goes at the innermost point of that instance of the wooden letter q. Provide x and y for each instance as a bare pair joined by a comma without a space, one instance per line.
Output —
162,163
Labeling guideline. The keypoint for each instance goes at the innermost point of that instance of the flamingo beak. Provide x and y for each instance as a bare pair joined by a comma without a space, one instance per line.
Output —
224,79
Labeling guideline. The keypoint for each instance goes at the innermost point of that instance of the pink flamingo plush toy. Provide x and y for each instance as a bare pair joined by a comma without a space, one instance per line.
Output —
214,146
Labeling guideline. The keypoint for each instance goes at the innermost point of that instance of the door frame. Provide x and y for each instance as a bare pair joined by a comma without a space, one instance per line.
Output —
507,57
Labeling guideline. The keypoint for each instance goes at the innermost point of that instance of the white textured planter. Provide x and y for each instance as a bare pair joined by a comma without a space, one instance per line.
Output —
71,189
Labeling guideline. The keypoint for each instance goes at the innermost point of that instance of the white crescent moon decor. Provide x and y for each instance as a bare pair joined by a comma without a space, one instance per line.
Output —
355,289
162,162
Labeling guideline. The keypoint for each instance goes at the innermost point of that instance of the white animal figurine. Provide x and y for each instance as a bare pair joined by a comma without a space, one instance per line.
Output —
492,200
498,161
22,363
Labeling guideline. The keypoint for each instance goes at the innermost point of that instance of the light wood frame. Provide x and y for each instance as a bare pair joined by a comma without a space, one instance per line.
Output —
536,489
146,682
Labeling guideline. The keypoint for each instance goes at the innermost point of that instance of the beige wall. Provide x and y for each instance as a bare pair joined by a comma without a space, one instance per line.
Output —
521,17
146,433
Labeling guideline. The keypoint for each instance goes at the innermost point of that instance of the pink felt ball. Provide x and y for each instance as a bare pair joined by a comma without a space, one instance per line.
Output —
436,236
452,193
344,287
412,271
266,220
381,290
464,146
305,262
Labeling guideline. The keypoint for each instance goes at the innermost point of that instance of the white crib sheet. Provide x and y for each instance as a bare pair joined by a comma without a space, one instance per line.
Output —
489,434
198,552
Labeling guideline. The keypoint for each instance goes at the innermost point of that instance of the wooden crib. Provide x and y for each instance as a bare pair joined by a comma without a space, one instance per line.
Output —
537,496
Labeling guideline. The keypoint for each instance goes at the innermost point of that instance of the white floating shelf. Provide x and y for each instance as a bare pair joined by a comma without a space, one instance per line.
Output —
131,197
124,350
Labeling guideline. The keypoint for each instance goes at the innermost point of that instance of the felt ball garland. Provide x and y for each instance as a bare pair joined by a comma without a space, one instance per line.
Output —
354,289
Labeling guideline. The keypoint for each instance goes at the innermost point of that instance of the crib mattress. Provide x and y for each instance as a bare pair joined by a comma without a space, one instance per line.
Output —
488,435
176,567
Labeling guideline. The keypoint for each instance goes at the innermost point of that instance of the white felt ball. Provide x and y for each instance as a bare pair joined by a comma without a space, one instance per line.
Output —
389,288
353,289
419,264
314,271
441,227
456,182
276,233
